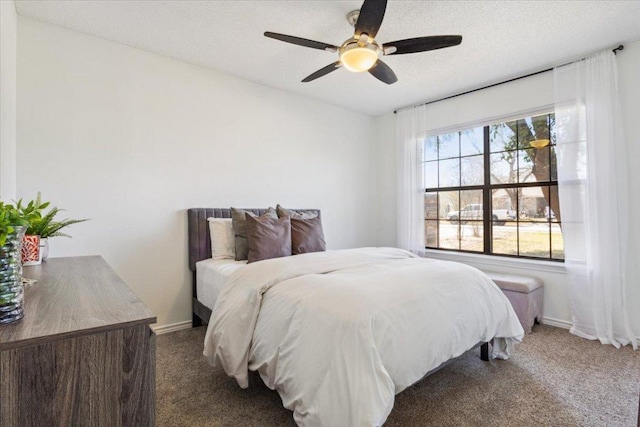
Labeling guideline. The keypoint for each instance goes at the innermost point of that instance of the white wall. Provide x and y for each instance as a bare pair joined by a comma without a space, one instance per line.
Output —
8,35
386,184
482,107
131,139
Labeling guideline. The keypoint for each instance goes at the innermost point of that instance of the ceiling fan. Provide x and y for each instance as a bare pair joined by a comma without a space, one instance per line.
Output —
361,52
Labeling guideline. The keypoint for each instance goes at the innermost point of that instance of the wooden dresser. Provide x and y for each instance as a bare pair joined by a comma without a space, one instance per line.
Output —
83,355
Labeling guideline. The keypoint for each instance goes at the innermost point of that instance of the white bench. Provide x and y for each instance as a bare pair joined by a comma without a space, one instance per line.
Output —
526,295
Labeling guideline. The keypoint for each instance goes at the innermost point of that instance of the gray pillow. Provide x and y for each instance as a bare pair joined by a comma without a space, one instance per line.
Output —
284,212
307,236
239,224
268,237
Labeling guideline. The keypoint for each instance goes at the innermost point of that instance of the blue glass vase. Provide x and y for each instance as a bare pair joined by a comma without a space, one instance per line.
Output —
11,289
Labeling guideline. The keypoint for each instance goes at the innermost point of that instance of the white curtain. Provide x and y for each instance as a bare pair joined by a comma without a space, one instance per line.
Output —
410,132
592,181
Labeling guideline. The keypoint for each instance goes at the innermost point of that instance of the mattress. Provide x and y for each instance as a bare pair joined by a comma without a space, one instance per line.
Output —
211,276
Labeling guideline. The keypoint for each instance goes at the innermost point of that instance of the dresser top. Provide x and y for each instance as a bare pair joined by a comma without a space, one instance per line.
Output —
74,296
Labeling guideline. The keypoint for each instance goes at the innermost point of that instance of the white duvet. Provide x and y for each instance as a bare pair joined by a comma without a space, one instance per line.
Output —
339,333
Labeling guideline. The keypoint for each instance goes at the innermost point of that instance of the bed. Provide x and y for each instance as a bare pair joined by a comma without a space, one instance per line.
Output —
339,333
200,250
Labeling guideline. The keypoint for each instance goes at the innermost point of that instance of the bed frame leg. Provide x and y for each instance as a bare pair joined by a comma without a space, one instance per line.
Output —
485,351
196,321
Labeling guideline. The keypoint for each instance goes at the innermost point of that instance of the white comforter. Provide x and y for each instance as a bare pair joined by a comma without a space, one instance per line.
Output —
339,333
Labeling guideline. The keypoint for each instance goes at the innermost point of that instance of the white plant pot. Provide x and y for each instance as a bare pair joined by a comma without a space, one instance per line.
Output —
44,248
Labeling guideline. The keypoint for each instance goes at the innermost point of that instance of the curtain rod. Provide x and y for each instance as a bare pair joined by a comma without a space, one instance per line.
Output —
615,51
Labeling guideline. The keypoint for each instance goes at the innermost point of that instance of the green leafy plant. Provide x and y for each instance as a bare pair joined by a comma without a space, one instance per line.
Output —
44,225
32,211
10,218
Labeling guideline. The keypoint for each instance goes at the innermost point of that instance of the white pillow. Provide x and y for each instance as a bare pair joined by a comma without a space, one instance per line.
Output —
223,245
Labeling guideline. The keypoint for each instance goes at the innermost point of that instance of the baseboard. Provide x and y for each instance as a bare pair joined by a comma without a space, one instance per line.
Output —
556,322
165,329
173,327
562,324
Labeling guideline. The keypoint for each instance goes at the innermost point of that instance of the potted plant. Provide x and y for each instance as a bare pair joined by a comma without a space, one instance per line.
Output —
44,225
12,227
32,212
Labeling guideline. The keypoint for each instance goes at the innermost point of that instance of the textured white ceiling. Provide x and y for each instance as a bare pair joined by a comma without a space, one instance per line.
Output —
501,39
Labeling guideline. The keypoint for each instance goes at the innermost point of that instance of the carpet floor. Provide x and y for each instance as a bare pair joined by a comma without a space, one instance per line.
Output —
553,379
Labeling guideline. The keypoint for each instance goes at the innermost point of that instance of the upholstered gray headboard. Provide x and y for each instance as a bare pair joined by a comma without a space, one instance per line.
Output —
198,228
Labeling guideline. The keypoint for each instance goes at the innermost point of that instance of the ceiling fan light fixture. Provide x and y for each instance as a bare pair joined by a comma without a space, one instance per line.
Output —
358,58
539,143
361,52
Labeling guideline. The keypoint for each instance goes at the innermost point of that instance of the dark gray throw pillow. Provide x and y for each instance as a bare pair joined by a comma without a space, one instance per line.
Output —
283,212
239,224
268,237
307,236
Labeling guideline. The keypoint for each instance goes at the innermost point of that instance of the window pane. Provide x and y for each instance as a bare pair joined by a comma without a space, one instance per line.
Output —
552,128
505,239
502,205
430,148
534,239
449,145
472,141
532,128
504,198
557,243
525,133
541,126
525,167
533,203
431,233
449,173
554,204
471,202
502,137
504,167
449,202
537,159
449,232
431,206
553,164
472,170
431,175
533,164
471,236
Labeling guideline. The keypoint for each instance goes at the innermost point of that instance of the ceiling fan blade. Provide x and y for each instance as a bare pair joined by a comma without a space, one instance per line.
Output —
301,42
420,44
370,18
322,72
383,72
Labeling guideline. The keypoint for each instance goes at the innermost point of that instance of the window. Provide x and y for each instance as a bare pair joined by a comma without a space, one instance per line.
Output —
494,190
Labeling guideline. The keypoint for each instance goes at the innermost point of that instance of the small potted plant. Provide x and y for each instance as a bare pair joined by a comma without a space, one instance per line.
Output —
44,226
32,212
12,227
